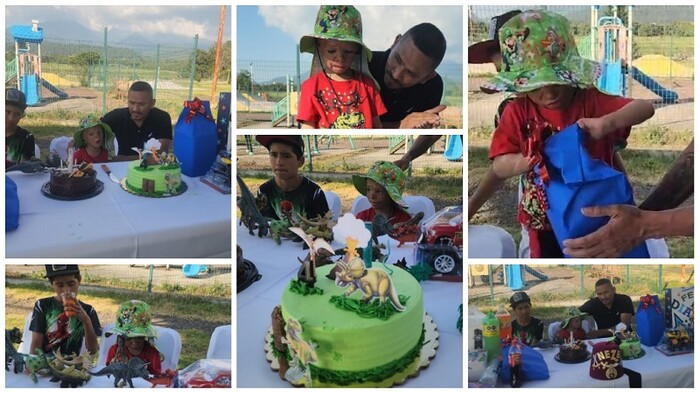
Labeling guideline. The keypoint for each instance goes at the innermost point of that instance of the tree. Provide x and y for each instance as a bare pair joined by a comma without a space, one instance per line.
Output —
84,62
621,12
243,81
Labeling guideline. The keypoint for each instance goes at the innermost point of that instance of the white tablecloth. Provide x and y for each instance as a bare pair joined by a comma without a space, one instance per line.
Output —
23,380
657,371
278,265
116,223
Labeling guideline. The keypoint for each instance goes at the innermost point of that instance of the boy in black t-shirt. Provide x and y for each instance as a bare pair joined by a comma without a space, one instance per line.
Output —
289,194
529,329
61,322
19,143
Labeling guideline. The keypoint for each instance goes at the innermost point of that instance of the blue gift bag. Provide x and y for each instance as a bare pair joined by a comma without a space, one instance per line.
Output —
651,322
533,365
578,181
194,142
11,205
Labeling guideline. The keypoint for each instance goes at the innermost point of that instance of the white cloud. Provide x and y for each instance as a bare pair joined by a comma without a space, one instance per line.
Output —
380,24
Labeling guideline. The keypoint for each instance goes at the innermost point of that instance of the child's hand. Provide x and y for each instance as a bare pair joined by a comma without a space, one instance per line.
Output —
596,127
77,311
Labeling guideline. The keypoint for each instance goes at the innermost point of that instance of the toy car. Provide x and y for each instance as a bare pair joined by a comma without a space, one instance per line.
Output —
440,242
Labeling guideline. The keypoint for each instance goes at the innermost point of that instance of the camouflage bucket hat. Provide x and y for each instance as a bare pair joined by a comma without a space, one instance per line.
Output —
538,49
88,122
335,22
386,174
134,320
570,314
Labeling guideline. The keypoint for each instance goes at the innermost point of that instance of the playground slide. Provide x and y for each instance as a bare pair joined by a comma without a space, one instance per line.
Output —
192,270
514,276
30,89
453,152
534,273
668,96
58,92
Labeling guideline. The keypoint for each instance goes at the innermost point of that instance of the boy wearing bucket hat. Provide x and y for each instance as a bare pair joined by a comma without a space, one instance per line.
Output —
340,93
571,325
59,324
288,193
136,336
527,328
540,60
19,143
92,140
383,186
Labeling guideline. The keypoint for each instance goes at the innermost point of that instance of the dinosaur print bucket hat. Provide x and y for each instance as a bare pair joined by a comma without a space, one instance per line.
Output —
538,49
387,174
335,22
88,122
134,320
570,314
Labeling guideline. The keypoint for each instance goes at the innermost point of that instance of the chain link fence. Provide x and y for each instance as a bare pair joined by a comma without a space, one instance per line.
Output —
656,61
208,280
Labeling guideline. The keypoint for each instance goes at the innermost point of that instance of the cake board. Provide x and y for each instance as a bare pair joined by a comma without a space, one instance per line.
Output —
46,190
428,351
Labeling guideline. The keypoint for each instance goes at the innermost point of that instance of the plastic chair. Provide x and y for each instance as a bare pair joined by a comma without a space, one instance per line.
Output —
168,343
334,203
486,241
220,343
59,146
554,326
415,204
37,151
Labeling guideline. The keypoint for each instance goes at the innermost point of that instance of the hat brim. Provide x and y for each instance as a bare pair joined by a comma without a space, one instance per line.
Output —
360,183
307,44
266,140
483,52
577,72
107,136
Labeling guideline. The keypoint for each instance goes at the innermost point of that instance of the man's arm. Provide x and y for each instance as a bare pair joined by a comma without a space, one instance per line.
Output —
419,147
164,144
489,185
604,333
626,318
676,185
628,227
418,120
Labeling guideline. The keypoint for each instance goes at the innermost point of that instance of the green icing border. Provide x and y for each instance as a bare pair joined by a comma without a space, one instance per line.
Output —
377,374
372,310
301,288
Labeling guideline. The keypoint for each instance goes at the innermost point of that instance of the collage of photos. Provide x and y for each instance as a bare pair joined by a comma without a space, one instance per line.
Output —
566,132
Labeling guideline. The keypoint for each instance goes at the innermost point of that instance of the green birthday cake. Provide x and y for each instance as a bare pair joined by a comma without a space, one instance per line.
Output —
160,179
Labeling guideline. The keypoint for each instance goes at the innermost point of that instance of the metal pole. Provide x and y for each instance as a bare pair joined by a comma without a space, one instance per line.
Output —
298,69
308,153
491,283
194,66
155,79
289,101
150,278
583,291
661,277
217,60
251,80
104,77
627,275
630,37
19,74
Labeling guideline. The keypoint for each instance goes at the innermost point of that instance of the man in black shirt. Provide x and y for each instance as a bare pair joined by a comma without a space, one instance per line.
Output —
140,121
608,309
409,86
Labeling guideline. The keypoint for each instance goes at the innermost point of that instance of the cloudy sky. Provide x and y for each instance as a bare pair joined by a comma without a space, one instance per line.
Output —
281,27
185,21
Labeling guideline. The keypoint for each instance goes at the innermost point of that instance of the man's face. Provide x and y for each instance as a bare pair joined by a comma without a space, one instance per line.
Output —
605,293
407,66
283,161
12,116
65,284
140,103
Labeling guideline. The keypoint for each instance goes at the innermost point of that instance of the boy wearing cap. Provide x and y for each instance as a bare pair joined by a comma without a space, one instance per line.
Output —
383,186
19,143
529,329
289,194
92,141
62,325
540,60
340,93
136,336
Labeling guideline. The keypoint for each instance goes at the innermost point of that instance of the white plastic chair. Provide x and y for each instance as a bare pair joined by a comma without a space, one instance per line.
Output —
554,326
415,204
220,343
487,241
37,151
168,343
334,203
59,146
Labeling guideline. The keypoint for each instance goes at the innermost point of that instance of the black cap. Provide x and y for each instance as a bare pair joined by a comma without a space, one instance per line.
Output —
483,51
16,98
53,270
518,298
294,140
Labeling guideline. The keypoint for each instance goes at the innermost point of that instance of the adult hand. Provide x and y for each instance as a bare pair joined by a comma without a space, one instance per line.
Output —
596,127
402,163
423,120
621,234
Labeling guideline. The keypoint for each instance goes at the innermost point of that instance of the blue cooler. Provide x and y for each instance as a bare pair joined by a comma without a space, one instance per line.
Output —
195,140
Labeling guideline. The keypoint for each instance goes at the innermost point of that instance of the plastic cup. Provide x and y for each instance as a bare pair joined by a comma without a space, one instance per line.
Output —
69,300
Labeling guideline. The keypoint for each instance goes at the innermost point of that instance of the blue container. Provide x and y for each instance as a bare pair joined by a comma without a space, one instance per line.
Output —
195,142
651,322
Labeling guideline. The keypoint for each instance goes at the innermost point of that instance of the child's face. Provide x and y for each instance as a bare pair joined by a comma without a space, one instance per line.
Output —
12,116
283,161
135,345
65,284
377,195
337,56
522,310
555,97
93,137
575,323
